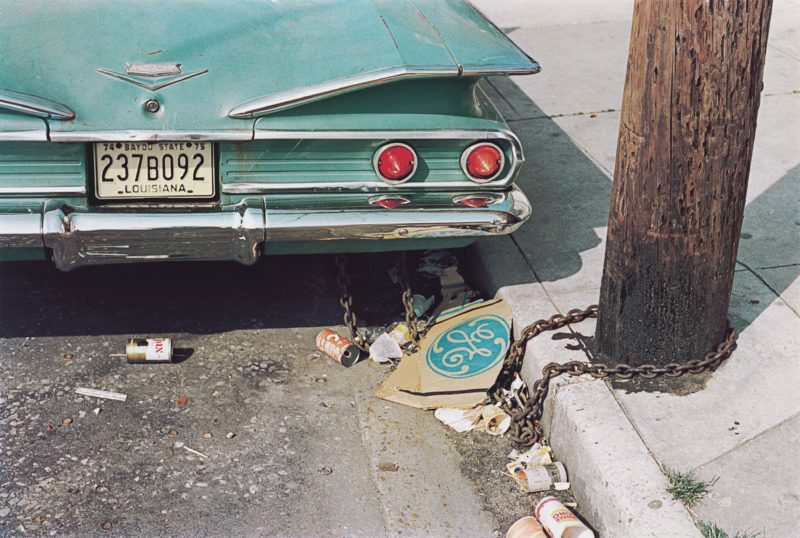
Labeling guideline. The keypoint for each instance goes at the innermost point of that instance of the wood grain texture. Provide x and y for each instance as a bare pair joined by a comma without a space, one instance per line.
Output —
688,121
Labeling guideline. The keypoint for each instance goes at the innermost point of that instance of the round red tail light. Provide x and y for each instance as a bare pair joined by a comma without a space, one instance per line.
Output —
482,162
395,163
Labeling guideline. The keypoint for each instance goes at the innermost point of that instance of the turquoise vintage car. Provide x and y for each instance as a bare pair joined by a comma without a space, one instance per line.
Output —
207,130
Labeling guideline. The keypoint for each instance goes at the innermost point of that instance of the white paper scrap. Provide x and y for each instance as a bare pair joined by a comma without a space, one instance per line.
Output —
461,420
105,394
384,349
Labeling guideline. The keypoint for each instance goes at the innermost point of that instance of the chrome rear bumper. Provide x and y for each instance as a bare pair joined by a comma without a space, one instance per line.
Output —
79,237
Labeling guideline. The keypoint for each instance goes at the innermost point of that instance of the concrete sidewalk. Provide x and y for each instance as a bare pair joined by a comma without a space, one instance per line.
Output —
743,427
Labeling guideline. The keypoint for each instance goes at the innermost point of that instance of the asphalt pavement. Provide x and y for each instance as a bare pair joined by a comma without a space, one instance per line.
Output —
283,442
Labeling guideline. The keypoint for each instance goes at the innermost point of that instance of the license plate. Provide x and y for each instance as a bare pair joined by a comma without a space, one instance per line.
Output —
141,170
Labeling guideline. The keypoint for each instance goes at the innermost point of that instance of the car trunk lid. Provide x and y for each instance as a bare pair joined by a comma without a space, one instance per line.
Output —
200,60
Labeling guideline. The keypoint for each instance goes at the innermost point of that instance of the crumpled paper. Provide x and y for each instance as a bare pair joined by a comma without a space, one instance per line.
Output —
489,418
385,349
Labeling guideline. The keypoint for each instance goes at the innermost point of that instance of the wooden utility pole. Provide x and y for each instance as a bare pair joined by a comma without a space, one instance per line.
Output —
686,133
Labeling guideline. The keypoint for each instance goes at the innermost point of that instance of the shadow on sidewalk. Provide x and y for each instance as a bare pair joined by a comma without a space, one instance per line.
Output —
769,249
570,197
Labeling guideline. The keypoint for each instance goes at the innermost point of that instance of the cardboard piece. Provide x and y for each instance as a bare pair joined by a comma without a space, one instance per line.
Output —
458,360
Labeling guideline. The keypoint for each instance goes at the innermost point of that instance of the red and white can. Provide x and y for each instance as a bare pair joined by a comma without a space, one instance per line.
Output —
338,348
559,521
149,350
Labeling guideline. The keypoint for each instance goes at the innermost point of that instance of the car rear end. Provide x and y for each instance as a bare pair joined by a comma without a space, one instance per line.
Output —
163,160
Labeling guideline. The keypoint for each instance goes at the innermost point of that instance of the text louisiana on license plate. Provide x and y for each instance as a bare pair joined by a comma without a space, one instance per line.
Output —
154,170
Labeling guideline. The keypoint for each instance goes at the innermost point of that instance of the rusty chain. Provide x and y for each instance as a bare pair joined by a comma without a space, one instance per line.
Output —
346,300
526,406
407,298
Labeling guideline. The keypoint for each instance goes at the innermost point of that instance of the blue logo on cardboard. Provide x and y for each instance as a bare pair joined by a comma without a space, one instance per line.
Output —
470,348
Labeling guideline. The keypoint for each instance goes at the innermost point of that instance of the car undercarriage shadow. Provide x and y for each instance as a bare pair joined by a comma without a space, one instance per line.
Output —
190,297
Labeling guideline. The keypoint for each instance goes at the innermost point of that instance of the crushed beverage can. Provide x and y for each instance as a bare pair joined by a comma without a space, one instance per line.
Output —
338,348
543,477
149,350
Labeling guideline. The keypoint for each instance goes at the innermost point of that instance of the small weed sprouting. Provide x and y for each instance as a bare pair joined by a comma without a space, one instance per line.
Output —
710,530
686,487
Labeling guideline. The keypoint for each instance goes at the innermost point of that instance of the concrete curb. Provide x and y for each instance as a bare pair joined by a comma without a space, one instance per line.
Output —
614,477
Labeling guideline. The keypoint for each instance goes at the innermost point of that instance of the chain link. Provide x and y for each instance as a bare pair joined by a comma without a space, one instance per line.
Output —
408,298
526,407
346,300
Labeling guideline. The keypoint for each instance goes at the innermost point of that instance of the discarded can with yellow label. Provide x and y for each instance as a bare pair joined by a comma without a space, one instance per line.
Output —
149,350
338,348
400,334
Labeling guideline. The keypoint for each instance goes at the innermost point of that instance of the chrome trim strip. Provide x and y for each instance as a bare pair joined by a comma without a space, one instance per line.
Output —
78,237
368,186
263,134
21,230
152,69
400,223
499,70
47,191
24,136
34,106
275,102
135,135
148,86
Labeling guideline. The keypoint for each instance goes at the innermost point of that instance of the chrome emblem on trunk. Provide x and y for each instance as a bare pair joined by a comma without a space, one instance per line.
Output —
166,74
153,70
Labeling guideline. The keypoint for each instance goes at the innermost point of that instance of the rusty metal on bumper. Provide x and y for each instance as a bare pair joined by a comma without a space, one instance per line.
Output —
78,237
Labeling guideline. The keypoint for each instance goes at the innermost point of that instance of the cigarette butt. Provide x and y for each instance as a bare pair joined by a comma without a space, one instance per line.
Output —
105,394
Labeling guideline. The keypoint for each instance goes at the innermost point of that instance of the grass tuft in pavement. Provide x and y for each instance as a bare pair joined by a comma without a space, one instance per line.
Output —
686,487
710,530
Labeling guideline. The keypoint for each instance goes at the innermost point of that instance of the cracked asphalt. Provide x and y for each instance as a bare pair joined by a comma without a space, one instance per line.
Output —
283,442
